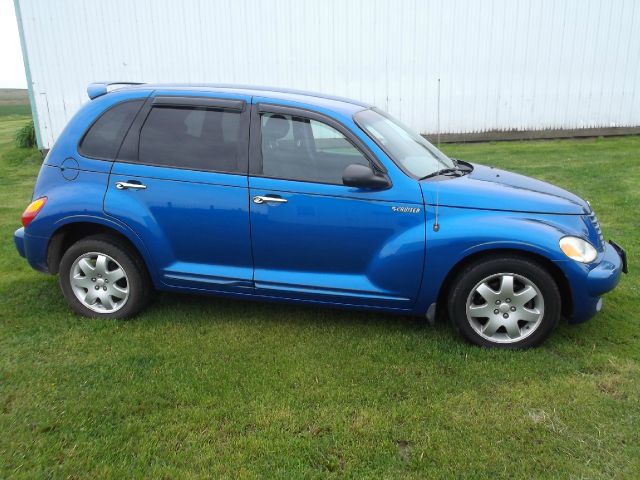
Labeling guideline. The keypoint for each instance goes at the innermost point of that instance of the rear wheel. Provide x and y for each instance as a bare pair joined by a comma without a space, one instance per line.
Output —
505,302
101,278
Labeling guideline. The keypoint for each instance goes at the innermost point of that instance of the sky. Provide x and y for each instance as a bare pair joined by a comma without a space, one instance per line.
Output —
11,67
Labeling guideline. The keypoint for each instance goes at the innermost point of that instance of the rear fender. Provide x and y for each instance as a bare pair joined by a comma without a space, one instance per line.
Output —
116,226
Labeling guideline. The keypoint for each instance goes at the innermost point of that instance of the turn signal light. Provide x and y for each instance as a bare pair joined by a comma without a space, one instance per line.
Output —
32,210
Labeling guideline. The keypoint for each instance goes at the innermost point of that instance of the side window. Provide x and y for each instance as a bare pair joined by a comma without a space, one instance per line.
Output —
297,148
104,137
194,138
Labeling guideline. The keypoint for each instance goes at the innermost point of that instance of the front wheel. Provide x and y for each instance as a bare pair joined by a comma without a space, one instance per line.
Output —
505,302
101,278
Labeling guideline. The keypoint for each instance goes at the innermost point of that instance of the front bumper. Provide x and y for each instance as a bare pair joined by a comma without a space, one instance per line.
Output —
588,287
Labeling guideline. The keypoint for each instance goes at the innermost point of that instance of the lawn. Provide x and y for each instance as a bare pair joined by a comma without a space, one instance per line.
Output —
14,101
206,387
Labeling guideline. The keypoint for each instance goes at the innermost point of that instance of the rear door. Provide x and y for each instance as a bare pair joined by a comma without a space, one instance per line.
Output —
180,182
317,239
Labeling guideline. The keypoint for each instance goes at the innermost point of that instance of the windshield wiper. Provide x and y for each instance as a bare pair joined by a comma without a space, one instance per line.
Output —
462,165
443,171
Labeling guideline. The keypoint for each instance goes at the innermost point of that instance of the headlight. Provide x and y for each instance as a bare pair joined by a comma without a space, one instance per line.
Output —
578,249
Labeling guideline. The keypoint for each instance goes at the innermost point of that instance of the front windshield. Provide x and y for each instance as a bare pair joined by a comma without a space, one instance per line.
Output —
409,150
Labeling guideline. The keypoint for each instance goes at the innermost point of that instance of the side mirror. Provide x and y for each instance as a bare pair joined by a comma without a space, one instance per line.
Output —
363,176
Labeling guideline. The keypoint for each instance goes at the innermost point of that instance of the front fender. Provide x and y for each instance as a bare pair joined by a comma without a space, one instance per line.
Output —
465,232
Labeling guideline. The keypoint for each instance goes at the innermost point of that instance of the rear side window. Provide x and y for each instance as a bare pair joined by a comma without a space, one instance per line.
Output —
104,137
194,138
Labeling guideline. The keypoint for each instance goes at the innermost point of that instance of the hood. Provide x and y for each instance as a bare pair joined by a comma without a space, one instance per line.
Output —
489,188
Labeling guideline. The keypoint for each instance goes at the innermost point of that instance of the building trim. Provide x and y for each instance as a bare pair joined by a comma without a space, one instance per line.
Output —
548,134
27,69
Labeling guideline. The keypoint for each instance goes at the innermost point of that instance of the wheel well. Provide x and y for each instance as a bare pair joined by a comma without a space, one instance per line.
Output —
69,234
548,265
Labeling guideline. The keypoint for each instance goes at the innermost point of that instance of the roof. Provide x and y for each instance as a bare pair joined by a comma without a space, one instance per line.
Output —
97,89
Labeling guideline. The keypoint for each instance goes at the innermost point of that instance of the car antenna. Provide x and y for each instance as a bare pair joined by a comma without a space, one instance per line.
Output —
436,224
438,116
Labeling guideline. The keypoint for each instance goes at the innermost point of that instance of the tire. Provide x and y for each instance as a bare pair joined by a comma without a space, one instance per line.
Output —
86,269
518,313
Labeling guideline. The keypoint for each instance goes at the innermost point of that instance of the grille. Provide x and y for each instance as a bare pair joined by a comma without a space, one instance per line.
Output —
596,225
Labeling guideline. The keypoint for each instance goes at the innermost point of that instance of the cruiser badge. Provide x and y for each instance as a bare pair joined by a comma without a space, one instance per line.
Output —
406,209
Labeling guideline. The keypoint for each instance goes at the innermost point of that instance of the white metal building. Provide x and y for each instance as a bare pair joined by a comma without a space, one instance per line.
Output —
502,64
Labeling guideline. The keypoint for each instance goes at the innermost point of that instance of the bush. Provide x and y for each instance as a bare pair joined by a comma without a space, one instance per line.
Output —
26,136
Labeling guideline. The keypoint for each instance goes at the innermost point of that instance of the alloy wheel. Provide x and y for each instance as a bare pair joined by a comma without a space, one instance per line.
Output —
99,282
505,308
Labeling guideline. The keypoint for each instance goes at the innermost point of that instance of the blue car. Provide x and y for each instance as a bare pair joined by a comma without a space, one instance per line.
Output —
284,195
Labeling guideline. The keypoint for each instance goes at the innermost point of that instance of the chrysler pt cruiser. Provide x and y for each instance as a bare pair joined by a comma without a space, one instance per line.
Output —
291,196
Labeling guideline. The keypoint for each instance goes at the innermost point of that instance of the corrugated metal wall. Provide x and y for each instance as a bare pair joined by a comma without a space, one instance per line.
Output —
503,64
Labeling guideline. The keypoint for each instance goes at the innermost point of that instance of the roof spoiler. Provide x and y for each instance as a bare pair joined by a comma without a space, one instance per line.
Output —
97,89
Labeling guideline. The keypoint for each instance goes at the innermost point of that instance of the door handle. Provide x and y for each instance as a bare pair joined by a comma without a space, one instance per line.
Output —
259,199
125,185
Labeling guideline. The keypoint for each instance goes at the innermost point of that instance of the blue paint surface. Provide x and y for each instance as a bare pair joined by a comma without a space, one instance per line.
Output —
329,244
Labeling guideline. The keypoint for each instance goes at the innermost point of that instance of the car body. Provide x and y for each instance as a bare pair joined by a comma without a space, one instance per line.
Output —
251,221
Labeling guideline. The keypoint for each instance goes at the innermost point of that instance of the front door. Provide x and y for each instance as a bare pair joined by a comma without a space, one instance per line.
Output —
180,183
313,237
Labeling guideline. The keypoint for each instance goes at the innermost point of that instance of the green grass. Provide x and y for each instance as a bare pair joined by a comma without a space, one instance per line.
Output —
13,110
14,101
206,387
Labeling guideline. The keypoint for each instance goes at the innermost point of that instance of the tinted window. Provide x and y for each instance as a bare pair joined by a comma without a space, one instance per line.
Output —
296,148
104,137
192,138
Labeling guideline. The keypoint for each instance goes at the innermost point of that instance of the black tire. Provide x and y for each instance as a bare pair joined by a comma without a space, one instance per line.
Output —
138,281
466,281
